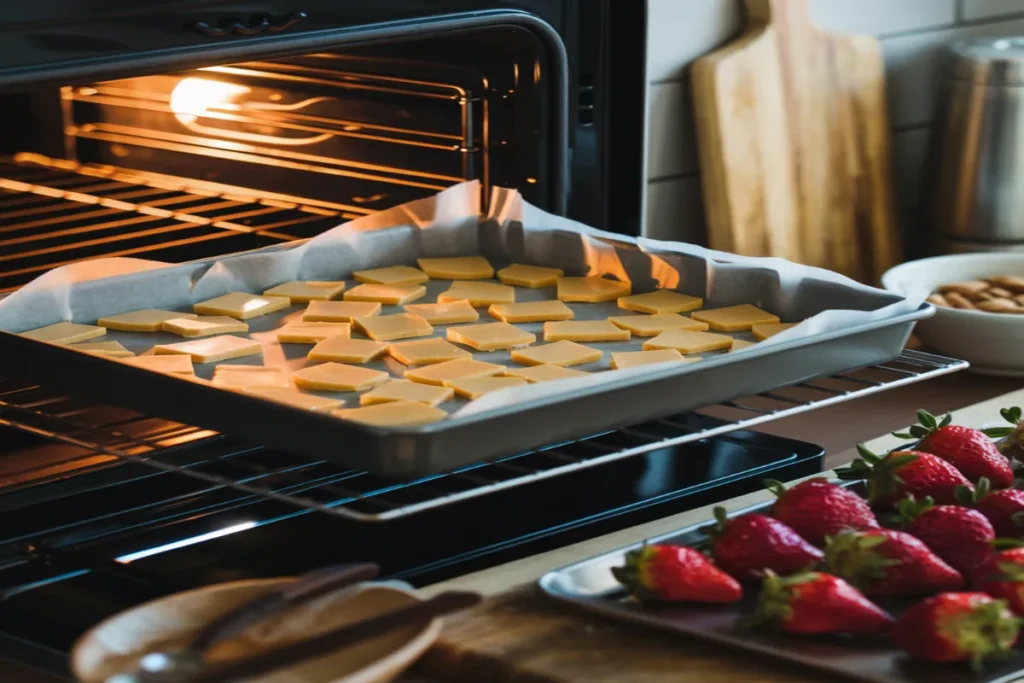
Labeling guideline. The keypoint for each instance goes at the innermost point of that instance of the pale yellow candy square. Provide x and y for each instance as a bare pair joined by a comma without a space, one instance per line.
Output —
475,387
426,351
344,350
213,349
396,326
446,313
453,369
490,336
304,291
386,294
458,268
241,305
392,275
661,301
478,293
338,377
650,325
632,359
739,345
295,398
339,311
239,376
65,333
531,311
591,289
522,275
544,373
146,320
584,330
174,365
405,390
764,330
558,353
113,349
734,318
393,414
311,333
688,341
203,326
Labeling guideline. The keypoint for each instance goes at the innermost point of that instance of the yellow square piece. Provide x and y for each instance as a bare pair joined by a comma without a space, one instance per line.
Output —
338,377
404,390
739,344
734,318
203,326
650,325
213,349
764,330
661,301
241,305
531,312
533,277
386,294
458,268
339,311
396,326
239,376
113,349
295,399
426,351
632,359
344,350
392,275
544,373
174,365
448,313
591,289
584,330
478,293
453,369
475,387
65,333
311,333
688,341
304,291
393,414
491,336
559,353
146,320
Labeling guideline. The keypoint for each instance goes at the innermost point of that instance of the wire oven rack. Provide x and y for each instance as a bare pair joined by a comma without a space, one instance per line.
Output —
101,437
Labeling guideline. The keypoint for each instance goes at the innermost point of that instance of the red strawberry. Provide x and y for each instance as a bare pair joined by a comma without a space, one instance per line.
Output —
813,603
887,562
959,535
1002,576
969,450
816,509
747,545
891,477
957,627
1002,508
676,573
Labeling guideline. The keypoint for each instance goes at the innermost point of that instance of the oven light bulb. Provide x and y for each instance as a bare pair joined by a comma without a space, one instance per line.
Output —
194,97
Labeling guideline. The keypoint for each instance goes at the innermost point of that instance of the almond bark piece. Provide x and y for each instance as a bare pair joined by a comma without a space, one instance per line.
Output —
304,291
734,318
241,305
591,289
491,336
339,311
392,275
453,369
392,414
338,377
584,331
145,320
661,301
562,353
406,390
533,277
457,268
446,313
65,333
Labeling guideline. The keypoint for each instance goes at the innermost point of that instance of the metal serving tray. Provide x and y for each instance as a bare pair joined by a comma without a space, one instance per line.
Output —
590,585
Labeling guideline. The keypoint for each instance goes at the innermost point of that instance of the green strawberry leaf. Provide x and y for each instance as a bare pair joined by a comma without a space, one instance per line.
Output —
947,420
775,486
903,435
1006,543
868,456
1011,415
926,419
919,432
997,432
1018,518
897,461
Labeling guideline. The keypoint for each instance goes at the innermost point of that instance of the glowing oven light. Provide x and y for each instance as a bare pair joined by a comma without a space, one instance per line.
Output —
194,97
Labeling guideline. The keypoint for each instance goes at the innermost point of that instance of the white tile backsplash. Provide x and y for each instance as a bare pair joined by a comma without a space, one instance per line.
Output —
671,125
909,149
987,9
675,210
879,17
678,31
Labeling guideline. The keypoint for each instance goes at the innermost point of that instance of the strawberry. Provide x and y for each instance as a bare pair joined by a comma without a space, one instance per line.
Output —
957,627
887,562
1002,576
1003,508
891,477
676,573
959,535
969,450
749,544
1010,439
814,603
816,509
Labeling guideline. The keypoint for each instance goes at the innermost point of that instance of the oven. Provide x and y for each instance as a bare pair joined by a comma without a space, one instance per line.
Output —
179,130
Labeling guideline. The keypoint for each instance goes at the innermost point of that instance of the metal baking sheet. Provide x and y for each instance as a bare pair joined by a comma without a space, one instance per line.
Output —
590,585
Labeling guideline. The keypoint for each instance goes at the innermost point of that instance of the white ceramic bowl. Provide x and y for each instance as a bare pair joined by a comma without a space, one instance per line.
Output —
993,343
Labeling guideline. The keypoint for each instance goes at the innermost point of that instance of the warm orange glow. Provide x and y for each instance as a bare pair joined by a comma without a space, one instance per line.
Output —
193,97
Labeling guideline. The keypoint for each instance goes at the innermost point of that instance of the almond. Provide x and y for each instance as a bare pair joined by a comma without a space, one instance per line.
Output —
964,288
957,300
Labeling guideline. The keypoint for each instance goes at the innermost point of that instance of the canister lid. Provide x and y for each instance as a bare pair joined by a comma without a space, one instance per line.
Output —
988,61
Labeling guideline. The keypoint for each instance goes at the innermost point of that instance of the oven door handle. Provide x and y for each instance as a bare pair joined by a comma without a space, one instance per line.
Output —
265,24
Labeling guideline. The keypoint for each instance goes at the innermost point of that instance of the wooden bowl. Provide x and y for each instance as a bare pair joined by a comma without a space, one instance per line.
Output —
116,644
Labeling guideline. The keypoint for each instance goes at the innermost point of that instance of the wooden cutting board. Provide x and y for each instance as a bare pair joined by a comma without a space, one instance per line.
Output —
794,144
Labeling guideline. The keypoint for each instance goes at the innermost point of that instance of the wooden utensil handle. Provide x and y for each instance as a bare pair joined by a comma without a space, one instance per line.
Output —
777,11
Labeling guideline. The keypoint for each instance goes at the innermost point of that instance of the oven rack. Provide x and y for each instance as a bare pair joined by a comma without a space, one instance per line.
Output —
101,436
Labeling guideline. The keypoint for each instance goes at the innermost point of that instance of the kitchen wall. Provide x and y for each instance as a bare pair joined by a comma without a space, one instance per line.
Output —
912,32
